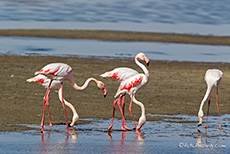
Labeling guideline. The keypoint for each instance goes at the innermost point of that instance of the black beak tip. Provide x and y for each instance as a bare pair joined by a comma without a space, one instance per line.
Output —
148,63
199,125
105,96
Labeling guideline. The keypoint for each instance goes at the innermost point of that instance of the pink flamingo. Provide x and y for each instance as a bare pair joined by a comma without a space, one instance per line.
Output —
61,72
44,81
212,78
131,81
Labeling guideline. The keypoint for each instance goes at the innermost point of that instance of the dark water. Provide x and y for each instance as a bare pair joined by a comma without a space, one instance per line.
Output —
174,134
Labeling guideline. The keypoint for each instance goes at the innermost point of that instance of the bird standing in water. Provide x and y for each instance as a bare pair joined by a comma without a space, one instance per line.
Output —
212,78
131,81
61,72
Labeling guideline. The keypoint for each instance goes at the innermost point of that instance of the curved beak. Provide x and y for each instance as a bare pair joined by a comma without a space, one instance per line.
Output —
200,122
139,126
105,92
147,61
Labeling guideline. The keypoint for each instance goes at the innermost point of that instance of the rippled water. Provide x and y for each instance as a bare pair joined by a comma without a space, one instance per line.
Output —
145,11
175,133
180,16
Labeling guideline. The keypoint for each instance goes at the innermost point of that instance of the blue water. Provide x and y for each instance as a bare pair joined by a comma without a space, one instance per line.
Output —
174,134
179,16
83,48
210,17
214,12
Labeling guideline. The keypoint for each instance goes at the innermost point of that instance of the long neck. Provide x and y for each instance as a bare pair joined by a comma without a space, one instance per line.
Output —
66,103
141,106
142,67
74,84
205,96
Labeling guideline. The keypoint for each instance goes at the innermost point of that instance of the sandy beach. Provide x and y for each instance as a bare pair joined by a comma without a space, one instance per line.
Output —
173,88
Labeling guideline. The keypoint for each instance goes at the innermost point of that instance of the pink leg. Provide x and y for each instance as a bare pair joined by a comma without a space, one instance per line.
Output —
124,125
49,115
114,106
45,100
207,112
47,104
122,114
217,104
63,104
43,116
130,109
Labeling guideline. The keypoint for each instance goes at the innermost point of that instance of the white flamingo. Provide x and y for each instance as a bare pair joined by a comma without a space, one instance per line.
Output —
61,72
131,81
212,78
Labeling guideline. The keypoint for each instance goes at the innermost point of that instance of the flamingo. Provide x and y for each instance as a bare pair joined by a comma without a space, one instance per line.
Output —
131,81
61,72
44,81
212,78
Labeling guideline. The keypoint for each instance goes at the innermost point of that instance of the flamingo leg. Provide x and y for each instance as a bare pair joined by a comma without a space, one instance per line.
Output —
122,114
124,125
207,112
45,100
49,115
114,106
130,110
63,104
217,105
47,104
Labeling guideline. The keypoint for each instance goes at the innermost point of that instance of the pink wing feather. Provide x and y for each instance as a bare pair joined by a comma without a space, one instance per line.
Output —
128,84
121,73
44,81
55,71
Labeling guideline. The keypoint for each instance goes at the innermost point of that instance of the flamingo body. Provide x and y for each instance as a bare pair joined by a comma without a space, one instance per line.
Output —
131,84
56,71
121,73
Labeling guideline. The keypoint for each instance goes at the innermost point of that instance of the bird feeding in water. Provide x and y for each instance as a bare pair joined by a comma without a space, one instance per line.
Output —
44,81
212,78
61,72
130,82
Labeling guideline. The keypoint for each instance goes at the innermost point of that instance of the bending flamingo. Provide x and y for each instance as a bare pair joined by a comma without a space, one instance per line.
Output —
44,81
131,81
61,72
212,78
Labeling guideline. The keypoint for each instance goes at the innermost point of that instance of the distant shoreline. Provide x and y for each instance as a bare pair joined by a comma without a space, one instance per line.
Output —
108,35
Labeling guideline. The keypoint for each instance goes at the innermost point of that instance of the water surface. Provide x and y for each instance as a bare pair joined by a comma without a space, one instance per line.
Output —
74,47
175,133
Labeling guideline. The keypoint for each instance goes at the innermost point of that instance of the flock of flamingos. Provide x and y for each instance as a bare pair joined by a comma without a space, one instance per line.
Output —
52,76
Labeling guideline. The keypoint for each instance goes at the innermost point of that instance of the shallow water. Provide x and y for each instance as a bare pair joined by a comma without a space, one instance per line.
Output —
72,47
175,133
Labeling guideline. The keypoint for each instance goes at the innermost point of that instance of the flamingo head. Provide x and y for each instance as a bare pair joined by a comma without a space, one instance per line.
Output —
142,56
101,86
200,116
74,119
142,121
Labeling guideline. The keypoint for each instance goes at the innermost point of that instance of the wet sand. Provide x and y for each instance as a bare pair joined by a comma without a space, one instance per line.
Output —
173,88
119,36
